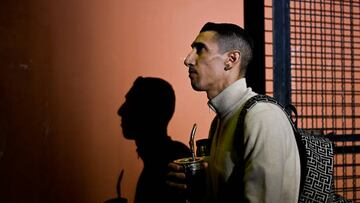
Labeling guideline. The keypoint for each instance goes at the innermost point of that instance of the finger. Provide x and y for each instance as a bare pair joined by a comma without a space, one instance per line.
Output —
176,175
175,167
177,185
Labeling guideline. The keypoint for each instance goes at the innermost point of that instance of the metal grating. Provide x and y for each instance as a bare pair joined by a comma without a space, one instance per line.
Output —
325,80
268,30
325,77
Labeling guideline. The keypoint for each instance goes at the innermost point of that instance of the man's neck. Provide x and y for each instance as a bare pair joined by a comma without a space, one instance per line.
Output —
215,91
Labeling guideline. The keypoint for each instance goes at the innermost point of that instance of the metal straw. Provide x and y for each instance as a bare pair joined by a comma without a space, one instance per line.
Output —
191,142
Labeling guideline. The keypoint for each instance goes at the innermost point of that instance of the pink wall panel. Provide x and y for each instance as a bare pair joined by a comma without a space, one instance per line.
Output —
74,61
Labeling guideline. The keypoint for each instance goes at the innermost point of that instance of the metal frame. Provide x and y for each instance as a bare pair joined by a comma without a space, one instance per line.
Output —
281,51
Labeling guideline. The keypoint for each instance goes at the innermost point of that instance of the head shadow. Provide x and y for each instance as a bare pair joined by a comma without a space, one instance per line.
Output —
145,114
148,108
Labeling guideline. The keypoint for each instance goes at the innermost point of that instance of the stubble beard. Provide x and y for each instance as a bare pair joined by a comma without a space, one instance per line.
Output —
195,85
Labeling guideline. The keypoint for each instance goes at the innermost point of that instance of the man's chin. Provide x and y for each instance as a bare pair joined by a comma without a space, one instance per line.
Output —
196,87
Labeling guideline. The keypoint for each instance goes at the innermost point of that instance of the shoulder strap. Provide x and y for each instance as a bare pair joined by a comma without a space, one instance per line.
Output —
235,186
249,104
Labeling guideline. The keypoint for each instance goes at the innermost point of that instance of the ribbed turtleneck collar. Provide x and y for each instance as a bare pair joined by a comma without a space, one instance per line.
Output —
226,101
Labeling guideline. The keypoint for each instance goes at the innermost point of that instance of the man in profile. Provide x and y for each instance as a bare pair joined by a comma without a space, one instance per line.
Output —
260,164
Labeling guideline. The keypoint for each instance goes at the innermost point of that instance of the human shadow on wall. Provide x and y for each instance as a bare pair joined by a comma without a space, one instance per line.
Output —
149,105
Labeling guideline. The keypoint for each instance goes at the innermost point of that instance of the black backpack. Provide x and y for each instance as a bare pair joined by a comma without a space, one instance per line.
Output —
316,157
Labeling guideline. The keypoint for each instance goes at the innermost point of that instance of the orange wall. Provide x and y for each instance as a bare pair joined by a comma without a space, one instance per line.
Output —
65,69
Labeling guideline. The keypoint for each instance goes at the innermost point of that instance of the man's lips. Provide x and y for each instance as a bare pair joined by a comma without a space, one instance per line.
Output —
192,71
192,75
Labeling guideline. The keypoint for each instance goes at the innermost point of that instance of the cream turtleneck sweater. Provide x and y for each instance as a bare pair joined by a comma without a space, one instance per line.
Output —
272,164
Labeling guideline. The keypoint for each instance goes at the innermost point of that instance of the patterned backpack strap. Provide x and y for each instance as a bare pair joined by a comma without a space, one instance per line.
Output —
249,104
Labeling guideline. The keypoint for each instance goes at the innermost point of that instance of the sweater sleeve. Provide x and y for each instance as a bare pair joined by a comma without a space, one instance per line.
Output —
270,156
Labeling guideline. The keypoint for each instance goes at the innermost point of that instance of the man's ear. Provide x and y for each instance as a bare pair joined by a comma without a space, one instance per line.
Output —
233,59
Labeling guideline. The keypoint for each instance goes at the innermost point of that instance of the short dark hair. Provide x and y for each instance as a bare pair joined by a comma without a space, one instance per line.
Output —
232,37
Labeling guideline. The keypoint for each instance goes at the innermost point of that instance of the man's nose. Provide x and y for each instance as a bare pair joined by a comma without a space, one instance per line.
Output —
189,60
